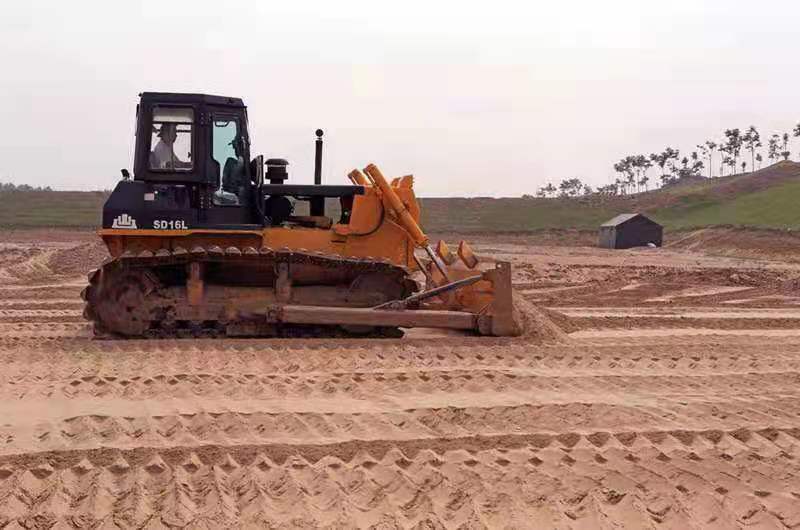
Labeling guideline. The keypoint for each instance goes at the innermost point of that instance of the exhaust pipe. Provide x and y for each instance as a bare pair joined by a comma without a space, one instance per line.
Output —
318,203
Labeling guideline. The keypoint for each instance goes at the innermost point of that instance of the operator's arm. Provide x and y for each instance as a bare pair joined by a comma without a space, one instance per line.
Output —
177,163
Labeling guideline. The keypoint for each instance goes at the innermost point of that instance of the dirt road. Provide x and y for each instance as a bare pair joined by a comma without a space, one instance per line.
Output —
670,400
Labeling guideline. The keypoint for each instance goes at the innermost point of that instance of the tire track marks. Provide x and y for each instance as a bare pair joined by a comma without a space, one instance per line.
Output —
483,482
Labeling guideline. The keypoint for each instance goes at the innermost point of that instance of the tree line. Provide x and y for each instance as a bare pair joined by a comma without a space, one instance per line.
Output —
633,172
9,187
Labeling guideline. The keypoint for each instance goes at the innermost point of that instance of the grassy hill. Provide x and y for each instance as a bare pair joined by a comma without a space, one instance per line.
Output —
764,199
774,207
767,198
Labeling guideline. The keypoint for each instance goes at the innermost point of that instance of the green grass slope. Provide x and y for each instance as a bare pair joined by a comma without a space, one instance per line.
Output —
765,199
774,207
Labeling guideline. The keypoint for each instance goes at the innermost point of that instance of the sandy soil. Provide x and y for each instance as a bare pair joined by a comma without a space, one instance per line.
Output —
668,399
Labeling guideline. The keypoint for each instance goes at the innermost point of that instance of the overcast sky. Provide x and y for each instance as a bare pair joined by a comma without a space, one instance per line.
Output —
484,98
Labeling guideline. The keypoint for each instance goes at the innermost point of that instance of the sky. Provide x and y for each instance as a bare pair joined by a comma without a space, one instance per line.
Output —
473,98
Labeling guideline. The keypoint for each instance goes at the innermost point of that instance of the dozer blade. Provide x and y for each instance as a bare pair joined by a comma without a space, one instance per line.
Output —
504,320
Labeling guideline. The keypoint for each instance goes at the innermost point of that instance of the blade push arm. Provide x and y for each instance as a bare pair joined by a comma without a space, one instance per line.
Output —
404,216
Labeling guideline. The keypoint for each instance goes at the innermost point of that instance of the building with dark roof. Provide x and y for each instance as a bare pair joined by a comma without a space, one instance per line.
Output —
629,230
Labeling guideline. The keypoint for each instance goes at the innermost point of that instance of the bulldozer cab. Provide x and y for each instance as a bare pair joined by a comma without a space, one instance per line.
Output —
192,169
191,166
191,138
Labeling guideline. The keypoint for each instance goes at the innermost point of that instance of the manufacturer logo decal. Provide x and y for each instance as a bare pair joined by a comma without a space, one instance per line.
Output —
124,221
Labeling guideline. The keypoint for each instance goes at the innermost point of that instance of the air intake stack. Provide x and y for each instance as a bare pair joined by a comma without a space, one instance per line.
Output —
276,170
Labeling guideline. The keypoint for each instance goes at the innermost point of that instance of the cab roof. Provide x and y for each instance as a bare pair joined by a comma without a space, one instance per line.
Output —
177,97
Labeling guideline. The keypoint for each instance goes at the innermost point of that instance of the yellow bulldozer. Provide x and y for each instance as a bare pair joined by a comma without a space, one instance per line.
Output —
205,241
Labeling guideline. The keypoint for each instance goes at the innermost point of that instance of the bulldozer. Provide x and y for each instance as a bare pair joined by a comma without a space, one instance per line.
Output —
205,242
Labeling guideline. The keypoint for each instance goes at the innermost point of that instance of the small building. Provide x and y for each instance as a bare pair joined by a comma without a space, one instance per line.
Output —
630,230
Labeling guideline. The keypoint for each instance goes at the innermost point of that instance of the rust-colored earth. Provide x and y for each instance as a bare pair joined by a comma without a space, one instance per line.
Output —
657,388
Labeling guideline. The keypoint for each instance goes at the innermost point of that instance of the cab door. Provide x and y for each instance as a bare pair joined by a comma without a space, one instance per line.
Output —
232,197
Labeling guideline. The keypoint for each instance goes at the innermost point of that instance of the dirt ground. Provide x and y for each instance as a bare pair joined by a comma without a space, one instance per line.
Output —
666,395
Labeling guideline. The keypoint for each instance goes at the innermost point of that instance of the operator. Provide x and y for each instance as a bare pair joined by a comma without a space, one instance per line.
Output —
163,156
233,177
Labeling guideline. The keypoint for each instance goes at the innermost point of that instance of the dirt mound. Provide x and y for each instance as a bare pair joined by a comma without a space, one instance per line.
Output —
779,245
79,259
19,265
48,263
538,325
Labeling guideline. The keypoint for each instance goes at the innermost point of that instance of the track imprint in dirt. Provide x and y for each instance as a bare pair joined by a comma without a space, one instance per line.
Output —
668,396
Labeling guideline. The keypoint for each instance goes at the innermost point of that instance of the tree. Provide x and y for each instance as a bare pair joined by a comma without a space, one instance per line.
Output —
772,147
666,160
759,159
731,161
608,189
690,166
643,178
706,150
621,168
744,166
711,146
660,160
630,174
697,164
752,140
724,155
672,158
636,166
570,187
627,169
733,145
644,164
697,167
796,133
550,189
785,153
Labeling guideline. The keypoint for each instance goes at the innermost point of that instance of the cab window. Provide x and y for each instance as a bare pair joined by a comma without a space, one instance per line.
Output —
171,139
228,152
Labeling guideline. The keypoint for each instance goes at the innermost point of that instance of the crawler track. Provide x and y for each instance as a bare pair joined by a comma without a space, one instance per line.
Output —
144,295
